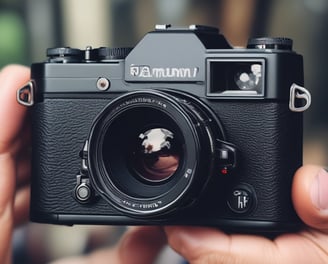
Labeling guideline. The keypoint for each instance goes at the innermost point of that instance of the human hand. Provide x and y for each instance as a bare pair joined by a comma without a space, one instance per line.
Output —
14,157
310,198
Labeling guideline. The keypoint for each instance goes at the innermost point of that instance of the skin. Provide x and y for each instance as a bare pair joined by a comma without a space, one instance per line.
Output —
143,244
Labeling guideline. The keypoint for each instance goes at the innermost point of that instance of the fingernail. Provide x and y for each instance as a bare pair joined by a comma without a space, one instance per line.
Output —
319,190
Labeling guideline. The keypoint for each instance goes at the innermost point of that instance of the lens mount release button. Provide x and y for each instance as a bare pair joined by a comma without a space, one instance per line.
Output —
241,199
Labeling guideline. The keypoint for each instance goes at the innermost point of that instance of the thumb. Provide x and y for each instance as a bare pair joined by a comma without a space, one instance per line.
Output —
310,196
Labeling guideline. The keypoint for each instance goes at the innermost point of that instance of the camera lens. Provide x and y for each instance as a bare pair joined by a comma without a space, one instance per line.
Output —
152,151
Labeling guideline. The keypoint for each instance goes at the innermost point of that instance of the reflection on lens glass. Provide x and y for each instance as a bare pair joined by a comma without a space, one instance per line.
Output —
157,156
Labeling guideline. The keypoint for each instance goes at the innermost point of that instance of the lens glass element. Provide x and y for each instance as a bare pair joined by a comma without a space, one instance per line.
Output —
142,151
156,157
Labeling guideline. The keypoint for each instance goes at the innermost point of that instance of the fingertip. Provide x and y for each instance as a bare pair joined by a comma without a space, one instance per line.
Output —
11,77
309,196
14,67
16,74
184,240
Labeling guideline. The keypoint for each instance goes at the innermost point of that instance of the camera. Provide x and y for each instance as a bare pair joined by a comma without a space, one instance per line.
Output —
182,129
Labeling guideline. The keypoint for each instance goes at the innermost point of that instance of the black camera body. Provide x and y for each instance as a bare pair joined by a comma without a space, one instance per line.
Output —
183,129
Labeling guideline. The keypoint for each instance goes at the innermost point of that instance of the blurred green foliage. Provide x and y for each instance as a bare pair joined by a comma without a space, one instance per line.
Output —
12,38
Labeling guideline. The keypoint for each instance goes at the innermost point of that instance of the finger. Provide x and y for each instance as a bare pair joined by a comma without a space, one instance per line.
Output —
310,196
14,139
23,169
21,206
21,143
22,151
7,190
12,114
140,245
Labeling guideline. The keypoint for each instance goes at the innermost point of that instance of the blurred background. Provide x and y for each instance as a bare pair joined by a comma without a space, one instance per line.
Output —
29,27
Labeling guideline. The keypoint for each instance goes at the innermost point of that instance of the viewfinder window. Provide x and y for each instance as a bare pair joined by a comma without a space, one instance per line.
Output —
235,78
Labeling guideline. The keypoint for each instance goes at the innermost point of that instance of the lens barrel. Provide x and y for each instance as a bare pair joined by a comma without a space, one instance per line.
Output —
152,151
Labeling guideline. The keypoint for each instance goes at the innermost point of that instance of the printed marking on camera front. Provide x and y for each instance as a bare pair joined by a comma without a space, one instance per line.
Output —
145,206
145,71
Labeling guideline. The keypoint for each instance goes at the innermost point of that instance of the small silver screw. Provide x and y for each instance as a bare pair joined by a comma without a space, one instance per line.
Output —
103,84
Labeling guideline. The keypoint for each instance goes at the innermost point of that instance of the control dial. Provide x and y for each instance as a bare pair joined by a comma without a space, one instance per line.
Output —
64,55
270,43
105,54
